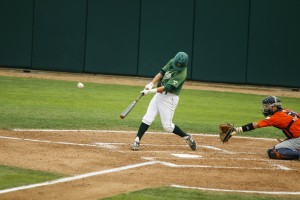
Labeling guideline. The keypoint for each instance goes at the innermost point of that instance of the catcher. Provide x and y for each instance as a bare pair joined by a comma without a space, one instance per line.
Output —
286,120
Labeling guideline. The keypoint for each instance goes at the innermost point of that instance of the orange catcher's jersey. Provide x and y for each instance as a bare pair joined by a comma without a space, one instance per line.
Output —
286,120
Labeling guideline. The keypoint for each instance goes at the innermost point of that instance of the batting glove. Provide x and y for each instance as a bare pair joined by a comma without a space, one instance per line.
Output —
145,92
149,86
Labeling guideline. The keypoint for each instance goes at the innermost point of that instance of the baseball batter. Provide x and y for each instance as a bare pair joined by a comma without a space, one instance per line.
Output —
284,119
169,84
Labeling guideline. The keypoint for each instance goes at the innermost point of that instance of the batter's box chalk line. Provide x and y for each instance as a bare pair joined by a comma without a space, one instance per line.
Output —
118,169
173,165
239,191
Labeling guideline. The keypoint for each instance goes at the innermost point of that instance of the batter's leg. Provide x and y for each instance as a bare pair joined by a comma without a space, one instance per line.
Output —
148,118
188,138
167,109
179,132
142,130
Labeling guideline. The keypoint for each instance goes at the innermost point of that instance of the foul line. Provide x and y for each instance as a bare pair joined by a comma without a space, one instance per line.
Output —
243,191
118,169
62,180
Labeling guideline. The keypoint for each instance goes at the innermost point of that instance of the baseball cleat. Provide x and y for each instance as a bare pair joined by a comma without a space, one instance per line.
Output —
135,145
191,142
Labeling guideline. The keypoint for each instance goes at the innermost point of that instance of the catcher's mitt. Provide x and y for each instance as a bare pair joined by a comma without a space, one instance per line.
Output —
226,132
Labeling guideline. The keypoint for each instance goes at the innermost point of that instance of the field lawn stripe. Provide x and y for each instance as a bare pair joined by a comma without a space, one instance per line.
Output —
73,178
112,131
243,191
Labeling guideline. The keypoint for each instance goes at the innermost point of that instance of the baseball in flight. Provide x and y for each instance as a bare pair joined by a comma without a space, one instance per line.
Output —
80,85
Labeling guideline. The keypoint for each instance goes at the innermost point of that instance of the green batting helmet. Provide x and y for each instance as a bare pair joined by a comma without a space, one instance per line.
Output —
180,61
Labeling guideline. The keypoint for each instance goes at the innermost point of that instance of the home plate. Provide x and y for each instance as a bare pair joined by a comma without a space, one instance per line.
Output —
186,155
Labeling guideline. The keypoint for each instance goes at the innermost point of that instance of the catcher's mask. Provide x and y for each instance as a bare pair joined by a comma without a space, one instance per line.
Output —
180,61
268,103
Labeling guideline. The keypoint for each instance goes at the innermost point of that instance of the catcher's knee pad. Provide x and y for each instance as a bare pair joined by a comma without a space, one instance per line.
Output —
283,153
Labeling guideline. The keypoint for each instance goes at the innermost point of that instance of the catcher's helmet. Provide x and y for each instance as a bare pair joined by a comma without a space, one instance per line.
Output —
180,61
268,103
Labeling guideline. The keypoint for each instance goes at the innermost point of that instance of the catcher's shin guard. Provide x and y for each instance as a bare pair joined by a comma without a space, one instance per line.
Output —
283,153
273,154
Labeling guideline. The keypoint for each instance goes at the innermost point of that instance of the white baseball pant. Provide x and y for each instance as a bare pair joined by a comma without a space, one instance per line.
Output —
165,105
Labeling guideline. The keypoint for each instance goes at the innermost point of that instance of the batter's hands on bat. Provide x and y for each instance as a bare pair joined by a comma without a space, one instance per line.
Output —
145,91
149,86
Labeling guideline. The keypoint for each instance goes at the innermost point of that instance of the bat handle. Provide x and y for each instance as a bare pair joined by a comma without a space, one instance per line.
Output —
142,94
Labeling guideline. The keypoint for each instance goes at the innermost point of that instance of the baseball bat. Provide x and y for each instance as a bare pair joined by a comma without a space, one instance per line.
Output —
130,107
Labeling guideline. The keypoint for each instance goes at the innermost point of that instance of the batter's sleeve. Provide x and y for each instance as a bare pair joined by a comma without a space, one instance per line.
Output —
263,123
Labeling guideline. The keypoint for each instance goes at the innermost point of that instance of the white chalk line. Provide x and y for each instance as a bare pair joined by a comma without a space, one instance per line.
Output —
203,146
217,167
105,145
112,146
109,145
209,158
281,167
73,178
278,167
241,191
111,131
47,141
118,169
217,149
169,164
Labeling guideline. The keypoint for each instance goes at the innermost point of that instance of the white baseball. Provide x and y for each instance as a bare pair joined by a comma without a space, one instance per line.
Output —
80,85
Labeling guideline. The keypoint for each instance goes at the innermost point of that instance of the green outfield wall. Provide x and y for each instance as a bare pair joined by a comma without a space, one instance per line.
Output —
274,43
163,32
16,22
231,41
220,40
59,35
112,37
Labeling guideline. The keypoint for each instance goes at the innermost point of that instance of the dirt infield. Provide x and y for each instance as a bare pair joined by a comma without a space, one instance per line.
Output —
101,164
163,160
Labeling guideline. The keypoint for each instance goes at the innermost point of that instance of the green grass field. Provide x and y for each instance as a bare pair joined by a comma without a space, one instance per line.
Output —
168,193
29,103
14,177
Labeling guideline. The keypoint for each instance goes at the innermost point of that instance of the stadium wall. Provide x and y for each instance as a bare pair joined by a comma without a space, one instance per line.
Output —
232,41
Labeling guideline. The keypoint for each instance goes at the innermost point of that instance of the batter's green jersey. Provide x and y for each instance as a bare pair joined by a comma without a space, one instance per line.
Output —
172,77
